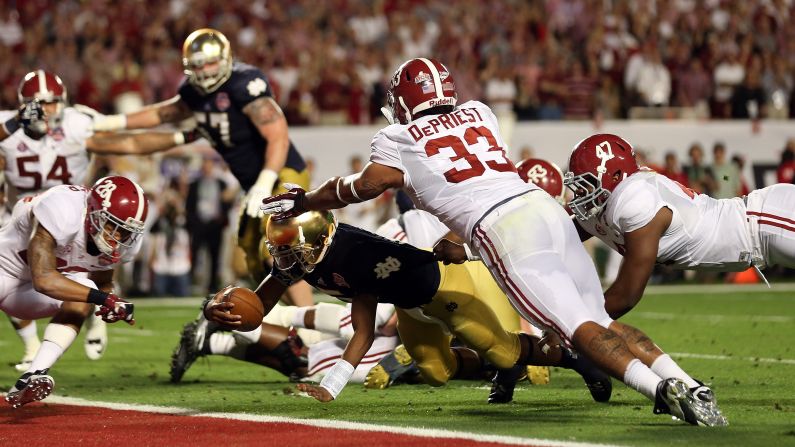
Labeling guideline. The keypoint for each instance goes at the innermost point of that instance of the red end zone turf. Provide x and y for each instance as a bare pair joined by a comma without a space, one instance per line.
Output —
41,424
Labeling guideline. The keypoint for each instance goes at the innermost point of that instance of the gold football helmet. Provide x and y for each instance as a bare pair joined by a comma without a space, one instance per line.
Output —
302,240
207,59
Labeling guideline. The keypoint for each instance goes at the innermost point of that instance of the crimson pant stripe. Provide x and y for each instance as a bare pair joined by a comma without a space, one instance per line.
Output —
491,251
770,216
776,224
367,359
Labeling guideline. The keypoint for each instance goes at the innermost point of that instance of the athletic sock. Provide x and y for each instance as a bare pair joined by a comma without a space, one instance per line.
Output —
222,343
642,379
665,367
57,339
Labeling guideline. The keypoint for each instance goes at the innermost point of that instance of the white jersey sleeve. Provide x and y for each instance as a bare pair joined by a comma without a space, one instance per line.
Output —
636,206
80,126
60,212
385,151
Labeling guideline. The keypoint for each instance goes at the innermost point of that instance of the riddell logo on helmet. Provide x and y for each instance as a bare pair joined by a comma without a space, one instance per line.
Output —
441,102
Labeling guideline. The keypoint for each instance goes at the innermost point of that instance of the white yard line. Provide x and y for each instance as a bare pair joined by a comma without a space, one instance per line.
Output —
325,423
728,357
714,318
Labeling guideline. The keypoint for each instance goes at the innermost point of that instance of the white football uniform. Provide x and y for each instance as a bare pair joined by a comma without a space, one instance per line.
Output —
59,158
61,211
455,167
704,233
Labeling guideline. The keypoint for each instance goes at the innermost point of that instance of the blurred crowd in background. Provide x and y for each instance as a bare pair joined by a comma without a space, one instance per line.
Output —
329,63
329,60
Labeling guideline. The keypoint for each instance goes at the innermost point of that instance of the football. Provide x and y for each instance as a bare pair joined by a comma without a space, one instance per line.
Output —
247,305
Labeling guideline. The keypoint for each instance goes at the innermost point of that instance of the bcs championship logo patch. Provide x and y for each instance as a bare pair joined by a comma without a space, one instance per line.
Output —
222,101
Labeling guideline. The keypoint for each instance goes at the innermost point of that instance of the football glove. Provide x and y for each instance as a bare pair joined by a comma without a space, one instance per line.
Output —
116,309
285,205
261,190
31,118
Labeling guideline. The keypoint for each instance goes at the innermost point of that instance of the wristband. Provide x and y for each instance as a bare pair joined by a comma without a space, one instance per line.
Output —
104,123
179,138
337,377
339,196
12,125
266,179
97,297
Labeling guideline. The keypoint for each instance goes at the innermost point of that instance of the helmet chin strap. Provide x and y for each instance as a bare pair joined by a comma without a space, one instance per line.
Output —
388,115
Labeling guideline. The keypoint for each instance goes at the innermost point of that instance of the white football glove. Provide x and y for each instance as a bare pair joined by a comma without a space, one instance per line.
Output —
103,123
262,189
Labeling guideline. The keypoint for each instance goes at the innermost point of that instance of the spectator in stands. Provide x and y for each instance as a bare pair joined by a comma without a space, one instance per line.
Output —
580,87
207,206
728,74
673,169
727,176
170,259
786,168
699,176
739,161
748,100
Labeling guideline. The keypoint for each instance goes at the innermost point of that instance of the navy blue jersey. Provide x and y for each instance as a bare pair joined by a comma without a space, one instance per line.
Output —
222,121
360,262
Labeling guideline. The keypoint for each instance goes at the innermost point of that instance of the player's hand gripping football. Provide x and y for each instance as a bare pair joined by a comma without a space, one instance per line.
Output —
316,391
449,252
116,309
217,311
285,205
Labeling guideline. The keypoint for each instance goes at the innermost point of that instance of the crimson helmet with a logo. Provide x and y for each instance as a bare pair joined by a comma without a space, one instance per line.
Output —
596,166
544,174
116,210
418,85
45,87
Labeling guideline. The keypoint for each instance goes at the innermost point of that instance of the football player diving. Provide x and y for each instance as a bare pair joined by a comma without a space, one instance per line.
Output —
432,298
649,218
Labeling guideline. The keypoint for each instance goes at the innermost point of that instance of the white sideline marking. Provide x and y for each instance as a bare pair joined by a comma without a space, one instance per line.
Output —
330,424
728,357
715,318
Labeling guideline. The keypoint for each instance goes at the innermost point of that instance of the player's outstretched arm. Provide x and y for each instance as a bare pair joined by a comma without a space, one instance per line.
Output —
112,143
363,311
639,258
169,111
267,117
336,192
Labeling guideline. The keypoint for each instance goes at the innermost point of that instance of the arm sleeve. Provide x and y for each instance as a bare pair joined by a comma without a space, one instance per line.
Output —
639,204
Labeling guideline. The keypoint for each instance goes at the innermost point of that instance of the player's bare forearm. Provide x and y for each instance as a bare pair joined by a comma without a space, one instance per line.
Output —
269,119
112,143
44,273
169,111
269,291
337,192
363,309
103,280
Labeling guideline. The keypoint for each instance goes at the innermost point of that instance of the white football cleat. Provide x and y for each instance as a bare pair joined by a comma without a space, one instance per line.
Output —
29,388
96,337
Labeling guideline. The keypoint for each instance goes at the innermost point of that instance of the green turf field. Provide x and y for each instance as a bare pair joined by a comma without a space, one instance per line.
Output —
741,340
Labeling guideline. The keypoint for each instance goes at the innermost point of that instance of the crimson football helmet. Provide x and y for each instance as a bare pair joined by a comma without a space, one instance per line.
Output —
116,210
419,84
546,175
47,88
596,166
203,47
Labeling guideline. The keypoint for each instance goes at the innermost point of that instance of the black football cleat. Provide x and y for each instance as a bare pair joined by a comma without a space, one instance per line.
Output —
597,381
504,382
194,342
